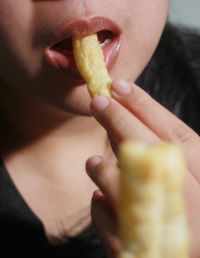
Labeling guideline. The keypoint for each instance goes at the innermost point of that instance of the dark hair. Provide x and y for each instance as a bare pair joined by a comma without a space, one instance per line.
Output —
172,76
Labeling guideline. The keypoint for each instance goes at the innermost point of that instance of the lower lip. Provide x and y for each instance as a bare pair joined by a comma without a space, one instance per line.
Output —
65,61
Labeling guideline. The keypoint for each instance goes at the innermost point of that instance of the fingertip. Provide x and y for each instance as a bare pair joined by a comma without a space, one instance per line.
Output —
92,163
99,103
97,195
120,87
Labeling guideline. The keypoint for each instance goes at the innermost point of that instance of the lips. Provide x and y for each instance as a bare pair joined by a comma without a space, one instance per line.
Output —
60,52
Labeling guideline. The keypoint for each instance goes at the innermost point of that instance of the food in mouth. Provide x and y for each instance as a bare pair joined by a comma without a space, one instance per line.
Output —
151,212
90,63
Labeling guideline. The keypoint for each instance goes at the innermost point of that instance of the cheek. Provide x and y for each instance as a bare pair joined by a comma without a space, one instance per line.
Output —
143,28
16,40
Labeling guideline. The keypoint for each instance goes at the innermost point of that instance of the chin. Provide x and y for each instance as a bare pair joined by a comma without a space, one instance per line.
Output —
77,101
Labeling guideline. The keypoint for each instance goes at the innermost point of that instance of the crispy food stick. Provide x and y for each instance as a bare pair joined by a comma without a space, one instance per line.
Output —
175,234
141,201
89,60
152,220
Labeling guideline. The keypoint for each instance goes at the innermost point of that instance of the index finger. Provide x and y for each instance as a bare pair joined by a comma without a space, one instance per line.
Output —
162,122
119,122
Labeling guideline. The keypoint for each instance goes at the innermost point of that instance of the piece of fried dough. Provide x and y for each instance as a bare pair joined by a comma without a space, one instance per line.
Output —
89,60
175,238
152,219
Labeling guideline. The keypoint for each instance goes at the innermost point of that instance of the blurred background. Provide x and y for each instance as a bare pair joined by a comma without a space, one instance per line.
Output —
185,12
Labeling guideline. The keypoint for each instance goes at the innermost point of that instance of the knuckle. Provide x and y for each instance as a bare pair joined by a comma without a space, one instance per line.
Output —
116,117
180,133
102,173
119,125
108,180
141,99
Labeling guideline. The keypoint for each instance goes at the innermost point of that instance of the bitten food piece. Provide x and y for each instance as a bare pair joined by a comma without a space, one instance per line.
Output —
89,59
152,219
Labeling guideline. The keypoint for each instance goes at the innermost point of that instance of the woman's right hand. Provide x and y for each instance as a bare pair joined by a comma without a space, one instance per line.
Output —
133,114
104,203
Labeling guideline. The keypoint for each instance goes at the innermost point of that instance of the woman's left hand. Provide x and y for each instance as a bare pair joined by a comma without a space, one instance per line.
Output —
133,114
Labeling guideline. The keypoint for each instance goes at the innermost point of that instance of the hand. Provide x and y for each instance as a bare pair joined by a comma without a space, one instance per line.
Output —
133,114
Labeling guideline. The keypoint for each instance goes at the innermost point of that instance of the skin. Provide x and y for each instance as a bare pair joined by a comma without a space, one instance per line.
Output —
23,43
145,120
49,118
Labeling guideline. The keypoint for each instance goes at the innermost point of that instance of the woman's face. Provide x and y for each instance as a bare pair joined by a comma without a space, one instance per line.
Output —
31,65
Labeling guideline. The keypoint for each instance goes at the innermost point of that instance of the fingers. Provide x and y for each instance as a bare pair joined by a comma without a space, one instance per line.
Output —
104,224
104,202
159,120
151,113
133,114
119,122
106,177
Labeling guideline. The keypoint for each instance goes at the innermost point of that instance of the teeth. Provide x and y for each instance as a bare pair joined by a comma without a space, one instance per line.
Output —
103,44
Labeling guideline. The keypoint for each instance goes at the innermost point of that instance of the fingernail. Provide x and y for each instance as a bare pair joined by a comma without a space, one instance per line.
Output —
97,195
93,162
121,87
99,103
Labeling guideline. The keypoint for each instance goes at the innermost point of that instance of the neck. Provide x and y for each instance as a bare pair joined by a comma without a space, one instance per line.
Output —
45,151
45,135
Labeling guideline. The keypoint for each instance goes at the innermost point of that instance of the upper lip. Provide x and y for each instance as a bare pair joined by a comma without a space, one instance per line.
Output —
83,27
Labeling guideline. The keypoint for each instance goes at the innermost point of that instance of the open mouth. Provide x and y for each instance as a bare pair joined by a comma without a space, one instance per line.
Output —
60,54
66,47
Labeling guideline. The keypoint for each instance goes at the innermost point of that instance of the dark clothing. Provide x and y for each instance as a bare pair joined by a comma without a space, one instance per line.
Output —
22,233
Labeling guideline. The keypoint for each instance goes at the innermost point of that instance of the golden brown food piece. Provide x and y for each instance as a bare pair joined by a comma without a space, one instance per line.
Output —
89,59
152,220
175,234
